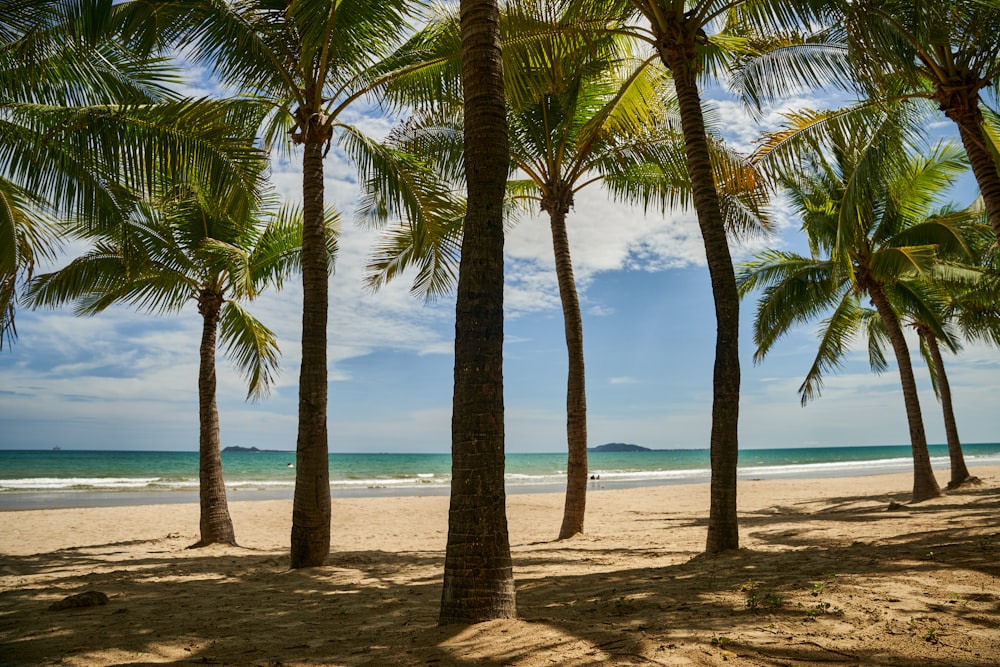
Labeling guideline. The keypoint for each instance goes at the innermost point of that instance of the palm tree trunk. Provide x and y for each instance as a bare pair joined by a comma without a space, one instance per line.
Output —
311,511
478,572
576,391
959,473
963,108
216,524
924,484
677,49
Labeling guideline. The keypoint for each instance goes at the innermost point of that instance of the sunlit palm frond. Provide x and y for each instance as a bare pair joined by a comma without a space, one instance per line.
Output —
397,185
794,289
793,63
878,340
432,248
836,334
251,346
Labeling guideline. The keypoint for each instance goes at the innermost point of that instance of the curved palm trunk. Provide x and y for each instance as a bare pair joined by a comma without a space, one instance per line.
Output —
924,484
478,572
962,106
311,509
677,50
576,391
959,473
216,525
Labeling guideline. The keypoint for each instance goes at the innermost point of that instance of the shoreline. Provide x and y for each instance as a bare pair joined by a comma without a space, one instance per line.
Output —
18,501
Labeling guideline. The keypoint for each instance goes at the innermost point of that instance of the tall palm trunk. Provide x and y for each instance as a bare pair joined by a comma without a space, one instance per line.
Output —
677,47
478,572
959,472
961,104
311,509
576,390
216,525
924,484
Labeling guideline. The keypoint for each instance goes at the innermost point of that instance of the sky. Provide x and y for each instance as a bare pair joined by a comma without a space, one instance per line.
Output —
127,380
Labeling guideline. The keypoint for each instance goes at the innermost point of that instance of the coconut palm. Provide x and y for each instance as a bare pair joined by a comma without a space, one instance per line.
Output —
697,40
940,56
190,251
478,571
871,229
966,310
948,52
83,113
308,62
926,316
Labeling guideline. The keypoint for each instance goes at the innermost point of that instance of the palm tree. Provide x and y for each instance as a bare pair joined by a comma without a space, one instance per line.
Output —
576,128
947,52
968,309
938,56
191,251
924,315
478,571
308,61
931,351
867,215
83,115
679,30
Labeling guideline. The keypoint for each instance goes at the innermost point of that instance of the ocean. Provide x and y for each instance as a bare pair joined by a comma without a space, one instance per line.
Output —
33,479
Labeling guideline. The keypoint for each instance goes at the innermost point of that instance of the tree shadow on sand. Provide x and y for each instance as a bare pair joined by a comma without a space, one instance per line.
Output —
910,592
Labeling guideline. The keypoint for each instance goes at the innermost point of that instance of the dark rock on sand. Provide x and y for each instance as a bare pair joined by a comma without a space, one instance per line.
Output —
80,600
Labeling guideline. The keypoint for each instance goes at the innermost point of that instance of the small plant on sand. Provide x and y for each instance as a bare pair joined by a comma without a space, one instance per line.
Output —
932,636
819,587
721,641
753,598
820,608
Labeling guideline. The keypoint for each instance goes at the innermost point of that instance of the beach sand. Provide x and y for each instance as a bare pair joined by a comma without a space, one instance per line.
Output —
827,575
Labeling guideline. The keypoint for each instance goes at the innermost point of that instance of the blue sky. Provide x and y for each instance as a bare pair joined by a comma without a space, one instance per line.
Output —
126,380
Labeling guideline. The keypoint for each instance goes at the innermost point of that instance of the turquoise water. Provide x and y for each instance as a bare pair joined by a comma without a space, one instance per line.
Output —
67,476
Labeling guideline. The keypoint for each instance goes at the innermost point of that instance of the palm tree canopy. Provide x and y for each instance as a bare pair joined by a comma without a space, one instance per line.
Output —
181,252
84,120
580,111
307,60
870,219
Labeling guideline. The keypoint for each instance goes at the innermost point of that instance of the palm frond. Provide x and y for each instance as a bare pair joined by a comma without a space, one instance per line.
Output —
837,331
251,346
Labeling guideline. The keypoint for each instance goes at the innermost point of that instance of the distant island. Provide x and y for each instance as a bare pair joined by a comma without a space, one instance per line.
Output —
253,450
619,447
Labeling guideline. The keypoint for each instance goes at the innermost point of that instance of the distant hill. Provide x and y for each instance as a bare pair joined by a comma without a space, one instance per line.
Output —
251,450
619,447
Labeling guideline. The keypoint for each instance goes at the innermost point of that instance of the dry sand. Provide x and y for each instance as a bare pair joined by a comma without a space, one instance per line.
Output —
827,575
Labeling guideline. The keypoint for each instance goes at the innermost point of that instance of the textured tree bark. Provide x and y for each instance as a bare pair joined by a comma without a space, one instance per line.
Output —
576,392
478,572
216,524
961,105
677,47
959,472
924,484
311,511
